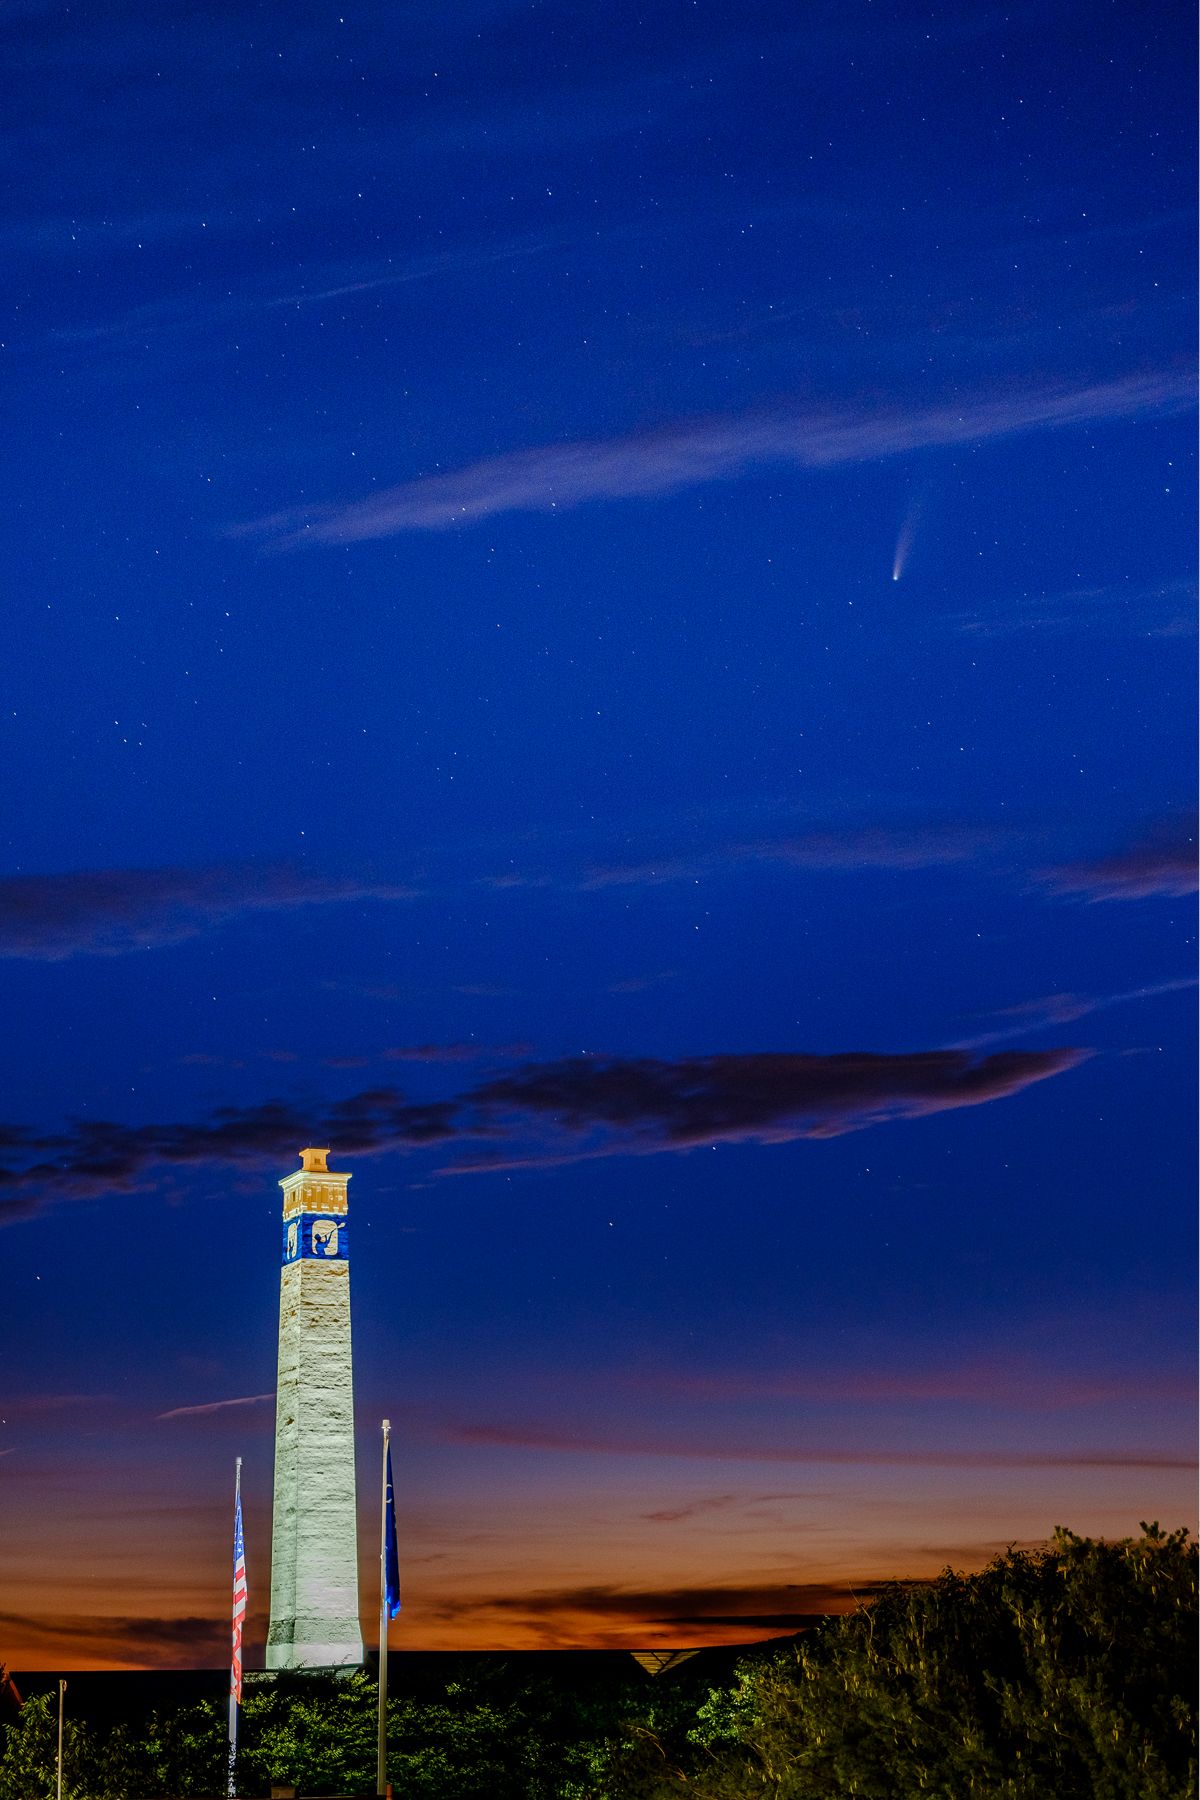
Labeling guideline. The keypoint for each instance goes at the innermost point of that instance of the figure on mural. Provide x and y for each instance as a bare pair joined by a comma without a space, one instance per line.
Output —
325,1236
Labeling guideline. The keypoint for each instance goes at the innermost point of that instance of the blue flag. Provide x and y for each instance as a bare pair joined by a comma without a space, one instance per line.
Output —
391,1554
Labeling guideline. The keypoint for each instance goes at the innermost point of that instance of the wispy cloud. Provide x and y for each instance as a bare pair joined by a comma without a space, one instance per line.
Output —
724,1503
423,1055
557,477
541,1113
112,912
558,1438
212,1406
1010,1382
777,1606
211,308
851,848
710,1503
108,912
29,1406
1167,610
640,984
1163,863
1063,1009
139,1640
75,235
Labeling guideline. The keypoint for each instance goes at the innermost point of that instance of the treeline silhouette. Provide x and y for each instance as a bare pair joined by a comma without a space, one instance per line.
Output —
1053,1674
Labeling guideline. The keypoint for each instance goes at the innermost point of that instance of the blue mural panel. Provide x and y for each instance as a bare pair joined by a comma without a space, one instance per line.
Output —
315,1237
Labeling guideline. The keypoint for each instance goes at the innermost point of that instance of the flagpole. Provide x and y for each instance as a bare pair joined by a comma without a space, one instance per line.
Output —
62,1688
381,1786
233,1698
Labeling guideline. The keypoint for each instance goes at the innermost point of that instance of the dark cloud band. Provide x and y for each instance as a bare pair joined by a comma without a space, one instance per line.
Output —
1163,863
106,912
765,1098
543,1112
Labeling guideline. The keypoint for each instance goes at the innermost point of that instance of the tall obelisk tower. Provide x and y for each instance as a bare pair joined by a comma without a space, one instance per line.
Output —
314,1540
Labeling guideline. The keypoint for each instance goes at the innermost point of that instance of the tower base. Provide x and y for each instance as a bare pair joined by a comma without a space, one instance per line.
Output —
330,1651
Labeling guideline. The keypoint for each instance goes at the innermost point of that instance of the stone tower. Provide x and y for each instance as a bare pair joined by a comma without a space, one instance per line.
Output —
314,1541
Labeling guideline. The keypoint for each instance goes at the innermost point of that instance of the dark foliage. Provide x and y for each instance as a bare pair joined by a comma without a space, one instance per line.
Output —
1066,1673
1055,1674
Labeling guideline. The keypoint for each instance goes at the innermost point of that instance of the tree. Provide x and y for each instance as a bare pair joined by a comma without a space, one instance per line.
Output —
95,1766
1061,1674
1066,1673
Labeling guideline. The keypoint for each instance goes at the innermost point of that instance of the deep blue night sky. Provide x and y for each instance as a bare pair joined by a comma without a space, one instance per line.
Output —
599,614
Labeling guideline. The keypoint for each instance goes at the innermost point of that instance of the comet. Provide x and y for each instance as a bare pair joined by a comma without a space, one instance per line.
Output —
908,531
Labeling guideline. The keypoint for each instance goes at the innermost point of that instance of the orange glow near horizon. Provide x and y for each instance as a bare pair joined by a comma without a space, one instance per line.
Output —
540,1549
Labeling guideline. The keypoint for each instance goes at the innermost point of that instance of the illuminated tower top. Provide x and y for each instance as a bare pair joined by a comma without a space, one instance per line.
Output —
314,1210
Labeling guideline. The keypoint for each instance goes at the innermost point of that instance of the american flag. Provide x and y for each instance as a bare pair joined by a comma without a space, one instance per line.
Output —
239,1601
